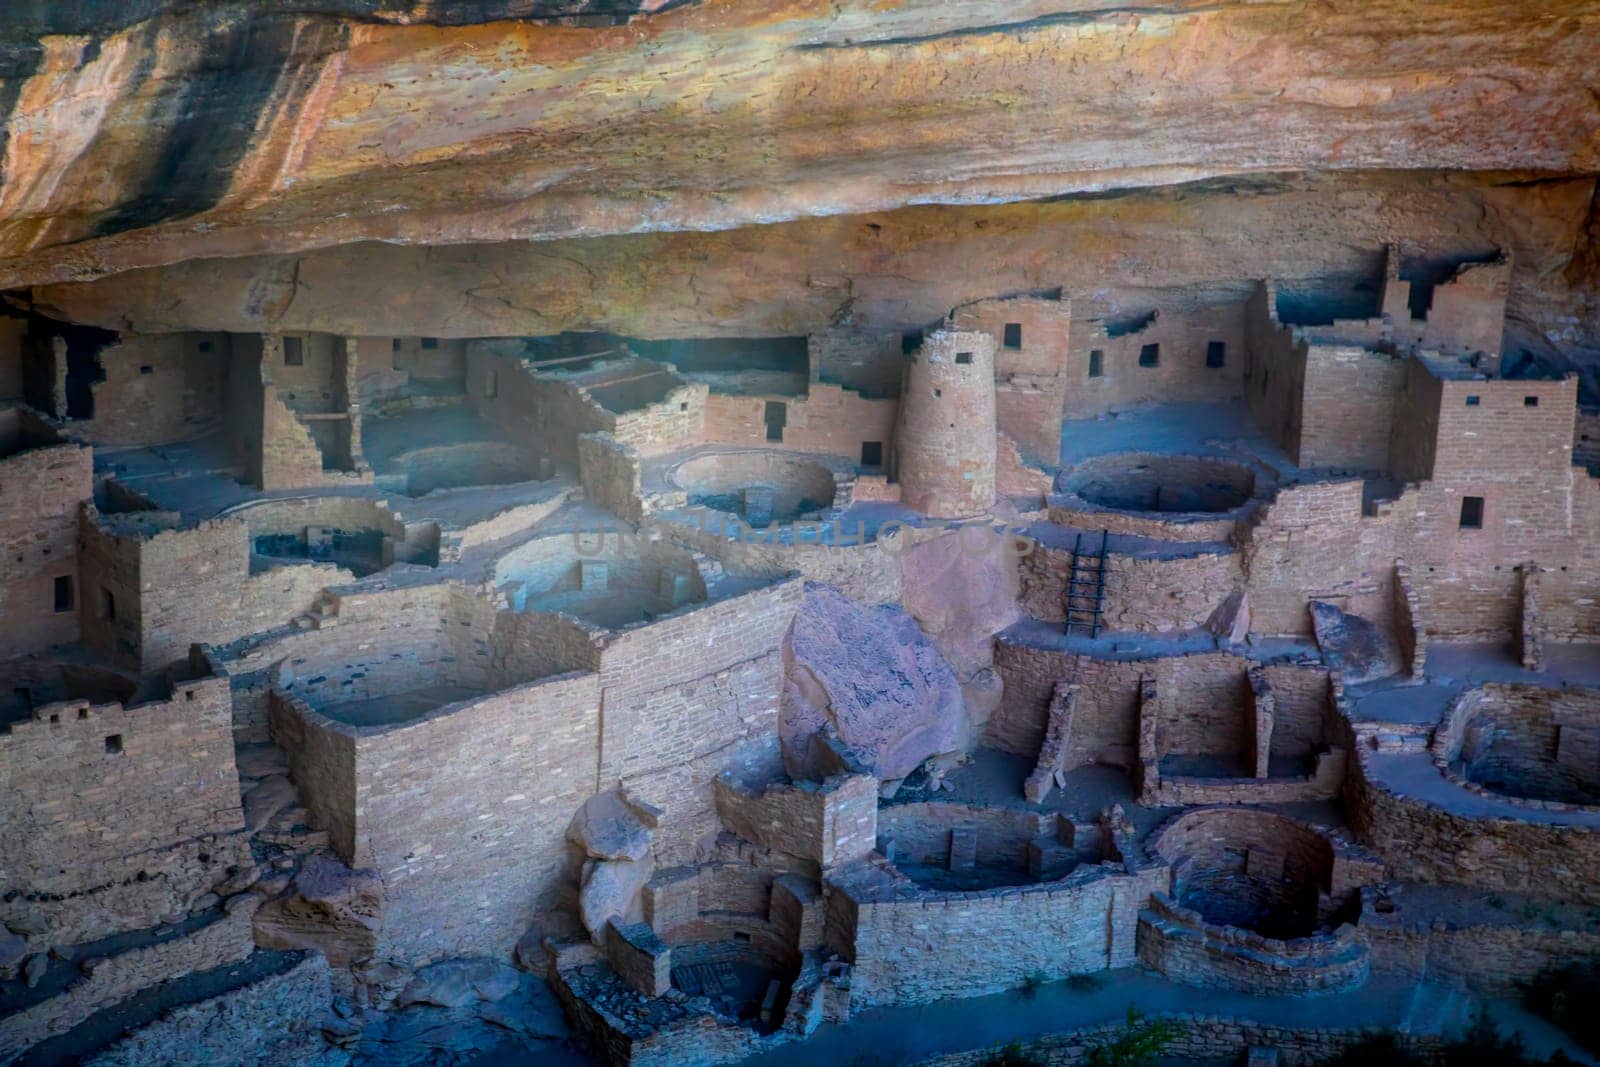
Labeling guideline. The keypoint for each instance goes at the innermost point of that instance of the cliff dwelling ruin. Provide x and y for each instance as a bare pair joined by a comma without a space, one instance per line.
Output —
685,532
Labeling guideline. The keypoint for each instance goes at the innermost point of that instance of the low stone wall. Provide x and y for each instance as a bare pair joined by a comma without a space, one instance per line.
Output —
1426,843
1492,957
834,822
1177,942
1143,593
114,979
909,945
1323,783
1543,743
998,837
270,1021
866,572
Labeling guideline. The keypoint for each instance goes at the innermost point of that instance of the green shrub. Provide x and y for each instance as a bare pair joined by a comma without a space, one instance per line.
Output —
1136,1044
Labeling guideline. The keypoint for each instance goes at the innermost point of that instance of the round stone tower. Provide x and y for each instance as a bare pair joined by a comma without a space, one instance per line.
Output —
945,442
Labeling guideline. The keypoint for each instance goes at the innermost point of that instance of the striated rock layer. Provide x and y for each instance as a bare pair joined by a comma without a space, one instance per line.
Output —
1115,255
235,129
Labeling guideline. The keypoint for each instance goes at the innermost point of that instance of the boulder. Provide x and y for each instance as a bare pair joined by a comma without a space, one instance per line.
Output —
455,983
611,890
330,908
1359,650
962,589
1230,623
876,679
607,828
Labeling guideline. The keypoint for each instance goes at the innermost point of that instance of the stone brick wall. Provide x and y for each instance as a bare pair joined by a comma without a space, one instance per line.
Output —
610,473
106,810
869,363
41,486
1177,942
832,822
690,696
1347,407
1490,957
1275,370
828,419
1106,713
1311,543
945,442
1560,605
1143,593
158,388
1031,377
1180,375
1424,843
912,946
920,832
513,767
867,572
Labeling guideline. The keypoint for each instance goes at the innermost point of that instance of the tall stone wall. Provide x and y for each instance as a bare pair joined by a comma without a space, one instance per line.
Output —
913,947
112,816
688,697
463,815
1347,407
157,388
40,490
828,419
1033,339
1181,374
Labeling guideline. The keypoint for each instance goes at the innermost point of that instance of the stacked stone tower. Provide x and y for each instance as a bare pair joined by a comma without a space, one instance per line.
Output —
945,443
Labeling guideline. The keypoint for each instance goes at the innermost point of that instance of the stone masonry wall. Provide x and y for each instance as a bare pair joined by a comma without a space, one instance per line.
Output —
116,978
834,822
1148,594
40,490
1180,375
828,419
105,809
513,768
690,696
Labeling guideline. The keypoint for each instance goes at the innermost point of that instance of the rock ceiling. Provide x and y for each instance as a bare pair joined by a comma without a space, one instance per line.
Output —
735,166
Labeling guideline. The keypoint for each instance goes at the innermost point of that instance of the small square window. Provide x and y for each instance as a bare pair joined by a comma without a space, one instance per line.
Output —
1217,354
1530,401
1150,356
146,369
63,593
1472,513
1013,335
910,342
205,346
294,352
963,357
114,744
1097,363
1473,401
872,453
430,343
683,406
394,345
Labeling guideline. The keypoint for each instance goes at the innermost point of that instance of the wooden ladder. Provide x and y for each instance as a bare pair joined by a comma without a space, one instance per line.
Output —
1086,586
